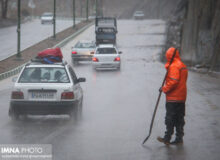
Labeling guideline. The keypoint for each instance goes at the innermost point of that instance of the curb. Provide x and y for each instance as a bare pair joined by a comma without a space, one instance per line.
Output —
60,44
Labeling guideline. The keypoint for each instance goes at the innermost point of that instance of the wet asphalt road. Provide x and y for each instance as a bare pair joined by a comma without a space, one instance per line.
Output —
32,32
118,106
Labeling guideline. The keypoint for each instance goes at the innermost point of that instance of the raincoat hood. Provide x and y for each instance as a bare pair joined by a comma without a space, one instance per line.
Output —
175,83
169,55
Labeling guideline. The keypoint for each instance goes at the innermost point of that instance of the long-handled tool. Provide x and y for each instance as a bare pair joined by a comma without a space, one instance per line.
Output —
158,99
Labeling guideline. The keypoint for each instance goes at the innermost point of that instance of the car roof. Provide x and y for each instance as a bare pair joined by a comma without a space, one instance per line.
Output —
106,46
45,65
39,63
86,41
47,13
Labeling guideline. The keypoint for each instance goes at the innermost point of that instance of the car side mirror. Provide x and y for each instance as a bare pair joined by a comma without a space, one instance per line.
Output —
81,80
14,79
120,52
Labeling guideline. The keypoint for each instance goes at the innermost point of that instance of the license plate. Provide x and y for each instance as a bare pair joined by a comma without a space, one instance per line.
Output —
42,95
106,64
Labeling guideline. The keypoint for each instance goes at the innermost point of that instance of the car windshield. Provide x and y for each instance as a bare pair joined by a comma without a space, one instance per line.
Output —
47,15
139,12
85,45
106,51
44,75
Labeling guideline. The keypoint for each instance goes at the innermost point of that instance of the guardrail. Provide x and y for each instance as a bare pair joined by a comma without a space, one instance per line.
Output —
60,44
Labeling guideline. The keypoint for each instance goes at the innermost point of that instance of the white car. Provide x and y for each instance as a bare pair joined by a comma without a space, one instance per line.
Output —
46,89
106,56
47,17
83,51
138,15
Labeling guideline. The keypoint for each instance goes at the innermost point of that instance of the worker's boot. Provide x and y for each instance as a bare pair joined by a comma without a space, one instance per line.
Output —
179,136
164,140
177,141
169,131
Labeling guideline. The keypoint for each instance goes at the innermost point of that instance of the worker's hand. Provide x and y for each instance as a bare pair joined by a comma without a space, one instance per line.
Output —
160,90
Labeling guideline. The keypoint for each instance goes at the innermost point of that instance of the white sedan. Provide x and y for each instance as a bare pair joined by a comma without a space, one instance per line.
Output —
106,57
43,89
47,17
83,51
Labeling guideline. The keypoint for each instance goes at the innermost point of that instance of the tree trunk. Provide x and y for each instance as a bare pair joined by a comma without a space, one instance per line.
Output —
4,4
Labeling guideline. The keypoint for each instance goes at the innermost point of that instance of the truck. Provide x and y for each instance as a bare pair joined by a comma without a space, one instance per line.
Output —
105,30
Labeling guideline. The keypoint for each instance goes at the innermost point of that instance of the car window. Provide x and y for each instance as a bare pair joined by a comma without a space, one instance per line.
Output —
106,51
44,75
85,45
73,75
139,12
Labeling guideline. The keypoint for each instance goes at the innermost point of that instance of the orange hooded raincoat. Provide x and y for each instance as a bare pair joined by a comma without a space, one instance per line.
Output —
175,85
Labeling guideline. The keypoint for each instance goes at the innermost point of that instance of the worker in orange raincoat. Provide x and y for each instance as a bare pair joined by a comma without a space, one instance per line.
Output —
176,92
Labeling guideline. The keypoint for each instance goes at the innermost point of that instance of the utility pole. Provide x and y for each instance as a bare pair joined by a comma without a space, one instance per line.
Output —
87,9
96,8
19,30
74,13
54,19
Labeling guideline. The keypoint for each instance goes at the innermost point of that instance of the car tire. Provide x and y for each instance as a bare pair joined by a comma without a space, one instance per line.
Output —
75,62
14,115
76,112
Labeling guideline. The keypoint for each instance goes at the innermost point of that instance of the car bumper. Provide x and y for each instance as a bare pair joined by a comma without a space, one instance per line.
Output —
139,17
99,65
46,21
82,57
42,108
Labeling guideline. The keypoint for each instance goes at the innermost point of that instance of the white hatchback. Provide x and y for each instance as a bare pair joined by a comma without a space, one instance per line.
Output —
44,89
106,56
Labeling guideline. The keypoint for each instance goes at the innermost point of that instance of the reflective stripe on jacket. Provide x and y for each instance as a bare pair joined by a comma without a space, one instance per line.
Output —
175,85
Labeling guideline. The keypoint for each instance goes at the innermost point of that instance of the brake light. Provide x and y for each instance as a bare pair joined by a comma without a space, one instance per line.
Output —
117,59
94,59
67,95
17,95
74,52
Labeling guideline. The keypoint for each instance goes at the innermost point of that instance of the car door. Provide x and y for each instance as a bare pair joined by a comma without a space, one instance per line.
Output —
76,86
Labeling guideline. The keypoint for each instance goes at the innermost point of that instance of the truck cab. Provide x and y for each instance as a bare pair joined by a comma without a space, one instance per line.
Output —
106,30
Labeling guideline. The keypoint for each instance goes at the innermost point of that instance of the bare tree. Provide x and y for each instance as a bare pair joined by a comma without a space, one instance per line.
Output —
4,5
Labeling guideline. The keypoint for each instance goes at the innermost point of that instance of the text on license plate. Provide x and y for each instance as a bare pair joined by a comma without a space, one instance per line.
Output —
42,95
